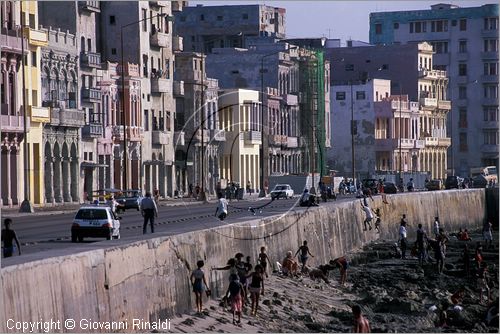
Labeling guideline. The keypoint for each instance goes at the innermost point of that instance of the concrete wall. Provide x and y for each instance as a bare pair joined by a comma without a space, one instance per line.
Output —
150,278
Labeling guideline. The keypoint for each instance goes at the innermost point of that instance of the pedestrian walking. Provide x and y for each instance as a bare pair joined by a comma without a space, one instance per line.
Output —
487,234
8,238
234,294
221,210
199,284
263,260
149,212
436,227
421,245
402,237
304,252
256,287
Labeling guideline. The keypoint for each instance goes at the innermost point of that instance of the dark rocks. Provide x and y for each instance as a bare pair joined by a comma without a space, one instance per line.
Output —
188,322
266,302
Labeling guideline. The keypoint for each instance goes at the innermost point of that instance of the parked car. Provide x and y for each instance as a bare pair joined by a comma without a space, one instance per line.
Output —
370,184
95,222
434,185
452,182
390,188
479,181
282,191
130,199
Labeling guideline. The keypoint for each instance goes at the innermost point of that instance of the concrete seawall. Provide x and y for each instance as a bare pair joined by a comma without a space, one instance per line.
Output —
149,279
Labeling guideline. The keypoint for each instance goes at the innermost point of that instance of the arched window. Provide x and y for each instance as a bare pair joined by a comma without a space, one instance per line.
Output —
53,85
45,84
12,89
63,86
89,45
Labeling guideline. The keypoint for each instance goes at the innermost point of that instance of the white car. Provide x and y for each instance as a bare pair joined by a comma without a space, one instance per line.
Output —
282,191
95,222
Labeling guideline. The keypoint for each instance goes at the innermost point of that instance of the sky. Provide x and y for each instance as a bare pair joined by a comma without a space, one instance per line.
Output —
337,19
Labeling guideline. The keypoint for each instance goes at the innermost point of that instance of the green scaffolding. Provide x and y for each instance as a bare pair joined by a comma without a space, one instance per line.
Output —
312,115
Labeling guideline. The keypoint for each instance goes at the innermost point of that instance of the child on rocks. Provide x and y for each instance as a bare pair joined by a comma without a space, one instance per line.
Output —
234,294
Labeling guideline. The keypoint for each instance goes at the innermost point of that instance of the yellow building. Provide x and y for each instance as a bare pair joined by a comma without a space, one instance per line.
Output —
240,118
38,115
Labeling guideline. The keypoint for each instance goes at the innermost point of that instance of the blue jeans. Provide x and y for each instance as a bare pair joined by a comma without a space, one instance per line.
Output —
149,215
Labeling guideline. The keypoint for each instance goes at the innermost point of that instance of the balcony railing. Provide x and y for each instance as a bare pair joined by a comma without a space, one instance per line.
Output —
159,85
159,138
419,143
177,44
253,137
37,37
91,6
159,39
90,59
428,102
292,142
489,78
13,123
278,140
431,141
489,148
92,130
72,118
489,55
218,135
91,94
130,70
11,43
178,88
40,114
406,143
443,104
206,136
291,99
432,74
444,142
492,33
179,139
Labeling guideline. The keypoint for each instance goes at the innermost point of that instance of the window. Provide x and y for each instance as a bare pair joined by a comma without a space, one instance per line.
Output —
491,23
144,18
463,142
463,24
490,113
439,26
113,51
462,118
440,47
396,25
491,68
145,65
490,137
360,95
167,68
219,17
245,16
490,45
462,69
418,27
112,20
145,120
340,96
32,21
490,91
462,92
33,58
378,28
462,45
167,24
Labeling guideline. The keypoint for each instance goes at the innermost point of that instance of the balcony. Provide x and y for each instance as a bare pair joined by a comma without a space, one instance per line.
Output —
177,44
130,70
443,104
179,139
91,95
489,33
218,135
91,6
37,37
406,143
71,118
159,39
444,142
489,55
54,116
176,6
253,137
428,102
277,140
489,79
12,123
431,141
90,59
489,101
419,143
206,136
489,148
490,125
159,138
292,142
432,74
178,88
40,114
92,130
11,43
159,85
291,99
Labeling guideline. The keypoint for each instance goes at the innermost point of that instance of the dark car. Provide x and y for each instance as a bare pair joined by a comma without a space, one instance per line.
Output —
434,185
452,182
370,184
130,199
390,188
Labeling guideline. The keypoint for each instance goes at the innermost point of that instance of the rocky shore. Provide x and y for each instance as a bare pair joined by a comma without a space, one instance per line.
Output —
395,295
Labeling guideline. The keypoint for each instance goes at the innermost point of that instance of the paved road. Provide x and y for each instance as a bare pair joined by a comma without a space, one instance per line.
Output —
52,231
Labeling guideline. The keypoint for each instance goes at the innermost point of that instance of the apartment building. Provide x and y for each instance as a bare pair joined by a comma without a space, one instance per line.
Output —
409,67
148,42
206,27
465,42
240,117
12,111
197,118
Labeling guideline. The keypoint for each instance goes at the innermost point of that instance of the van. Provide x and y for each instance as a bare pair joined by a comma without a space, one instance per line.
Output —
489,173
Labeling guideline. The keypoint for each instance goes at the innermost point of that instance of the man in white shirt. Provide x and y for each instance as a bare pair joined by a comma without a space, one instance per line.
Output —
436,227
402,237
149,212
368,216
221,211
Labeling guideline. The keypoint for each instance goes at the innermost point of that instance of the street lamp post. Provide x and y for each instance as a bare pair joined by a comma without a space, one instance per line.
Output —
353,164
124,122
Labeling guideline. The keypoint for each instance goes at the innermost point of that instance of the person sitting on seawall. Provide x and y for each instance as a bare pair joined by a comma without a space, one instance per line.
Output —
290,267
307,199
410,185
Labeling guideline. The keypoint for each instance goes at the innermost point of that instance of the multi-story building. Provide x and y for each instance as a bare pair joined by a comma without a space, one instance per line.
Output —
149,42
61,135
206,27
12,112
409,67
466,44
81,19
240,117
197,109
